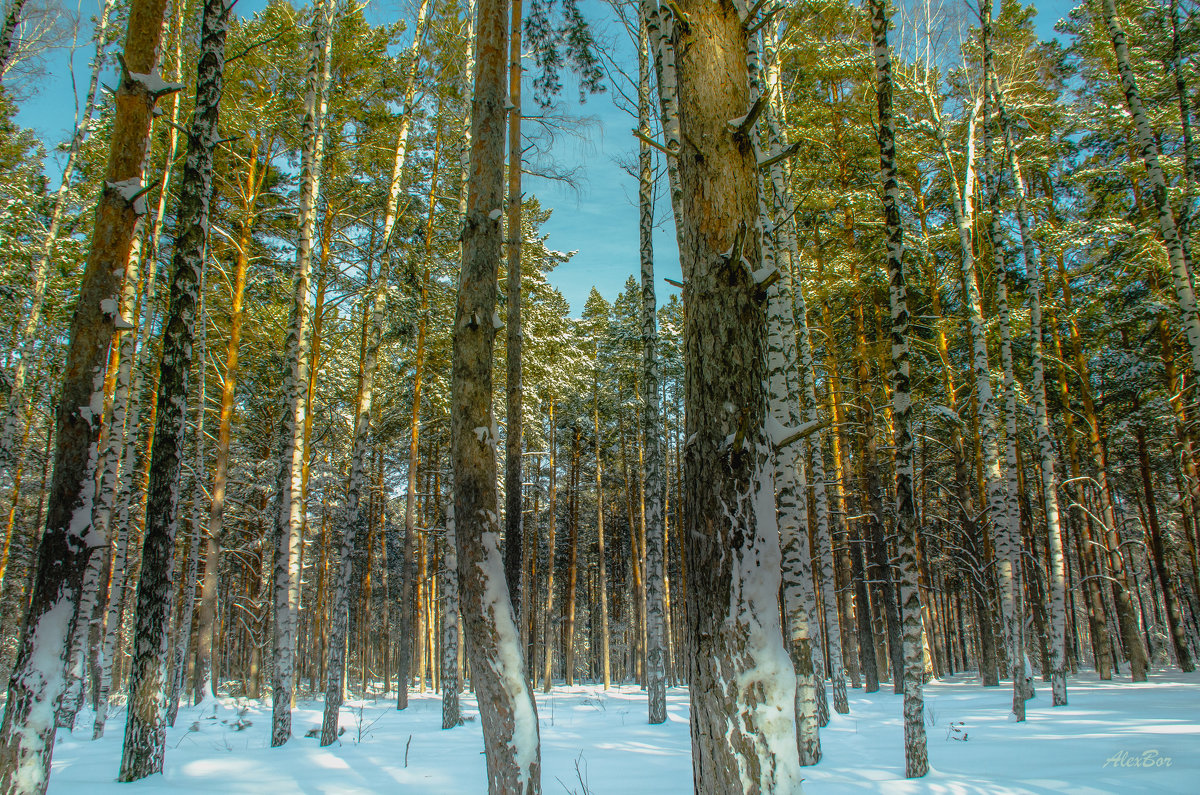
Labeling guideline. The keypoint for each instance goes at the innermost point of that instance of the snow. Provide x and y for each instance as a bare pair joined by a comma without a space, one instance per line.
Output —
1113,737
154,83
131,191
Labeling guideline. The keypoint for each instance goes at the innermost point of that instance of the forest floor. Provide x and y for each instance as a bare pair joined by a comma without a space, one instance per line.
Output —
1114,737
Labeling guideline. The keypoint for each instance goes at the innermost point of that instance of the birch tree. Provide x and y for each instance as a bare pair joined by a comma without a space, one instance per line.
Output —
289,490
145,728
1045,443
916,760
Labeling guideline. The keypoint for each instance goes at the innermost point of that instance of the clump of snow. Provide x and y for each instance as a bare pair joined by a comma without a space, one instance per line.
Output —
131,190
154,84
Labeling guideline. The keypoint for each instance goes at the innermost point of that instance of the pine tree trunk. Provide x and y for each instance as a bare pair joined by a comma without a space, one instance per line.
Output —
67,544
507,710
730,534
145,730
289,490
602,585
916,760
572,564
206,677
14,411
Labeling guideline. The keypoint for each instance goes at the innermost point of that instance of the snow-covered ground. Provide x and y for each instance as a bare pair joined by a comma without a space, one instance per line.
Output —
1115,737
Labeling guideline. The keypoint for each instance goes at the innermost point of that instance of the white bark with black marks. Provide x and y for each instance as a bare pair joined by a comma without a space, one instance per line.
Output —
145,728
916,759
289,485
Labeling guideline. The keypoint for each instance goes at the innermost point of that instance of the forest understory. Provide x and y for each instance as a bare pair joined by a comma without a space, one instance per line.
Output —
1117,738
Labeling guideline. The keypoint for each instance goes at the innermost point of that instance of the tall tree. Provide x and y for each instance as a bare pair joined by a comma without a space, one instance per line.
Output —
916,759
731,540
145,729
507,710
38,678
289,489
514,390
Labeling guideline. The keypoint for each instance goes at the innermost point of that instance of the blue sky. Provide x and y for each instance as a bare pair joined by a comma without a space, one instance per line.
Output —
596,218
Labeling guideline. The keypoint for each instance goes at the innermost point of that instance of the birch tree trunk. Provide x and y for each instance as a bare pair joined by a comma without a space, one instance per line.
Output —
451,714
8,33
791,504
788,258
186,609
1005,522
653,484
289,489
916,760
356,517
507,710
514,392
145,729
1045,443
38,677
742,724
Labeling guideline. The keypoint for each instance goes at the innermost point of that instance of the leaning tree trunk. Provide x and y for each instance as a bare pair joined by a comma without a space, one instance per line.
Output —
38,677
1184,291
653,484
742,684
289,486
1045,442
121,574
14,411
916,759
145,728
507,710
